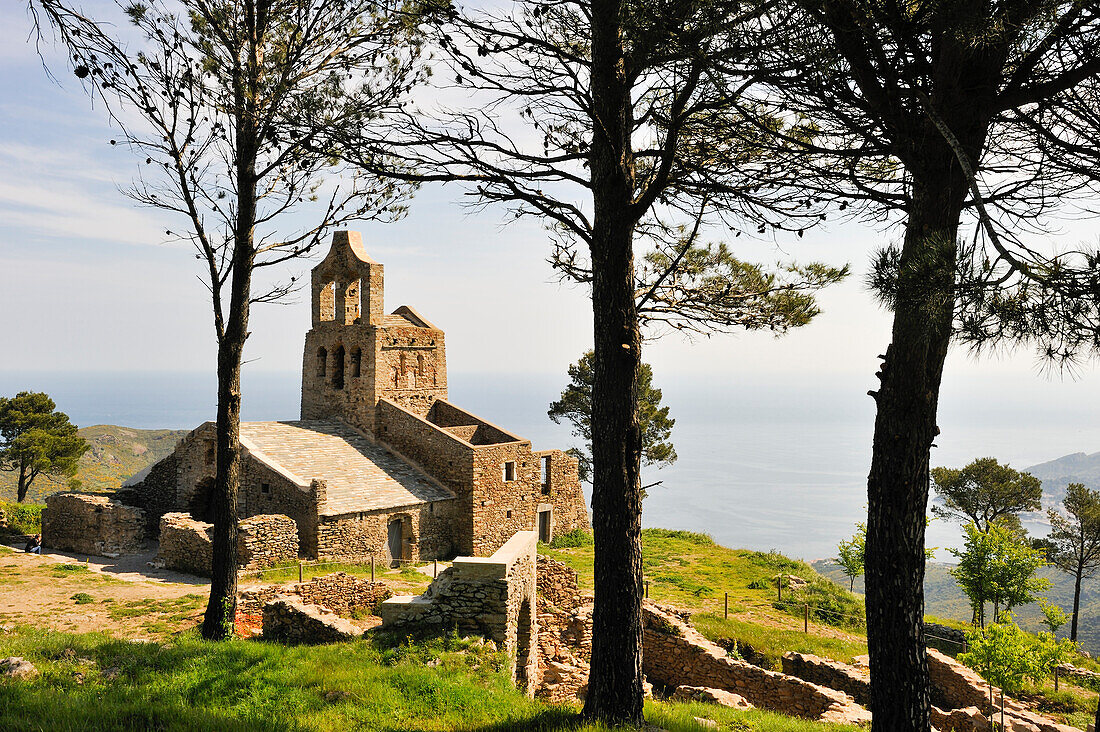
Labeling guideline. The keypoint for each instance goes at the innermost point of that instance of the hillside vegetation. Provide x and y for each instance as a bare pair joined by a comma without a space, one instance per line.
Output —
115,454
690,571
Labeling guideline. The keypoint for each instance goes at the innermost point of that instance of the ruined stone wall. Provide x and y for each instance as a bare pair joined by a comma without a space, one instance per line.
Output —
264,491
852,680
338,592
565,634
186,545
675,654
197,455
92,524
563,491
291,620
156,493
427,532
953,685
266,540
493,597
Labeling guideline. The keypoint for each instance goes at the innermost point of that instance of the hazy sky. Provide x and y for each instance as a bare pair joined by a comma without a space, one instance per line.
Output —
87,282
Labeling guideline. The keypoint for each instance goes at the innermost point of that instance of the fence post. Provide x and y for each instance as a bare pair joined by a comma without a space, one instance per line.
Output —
300,578
726,608
781,587
372,568
435,568
1056,678
806,618
647,589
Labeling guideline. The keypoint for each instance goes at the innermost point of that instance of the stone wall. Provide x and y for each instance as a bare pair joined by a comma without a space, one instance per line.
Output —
155,493
563,491
340,593
428,530
855,681
565,634
675,654
92,524
493,597
264,541
291,620
955,686
264,491
186,545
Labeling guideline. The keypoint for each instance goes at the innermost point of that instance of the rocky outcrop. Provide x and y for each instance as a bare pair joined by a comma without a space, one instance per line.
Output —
291,620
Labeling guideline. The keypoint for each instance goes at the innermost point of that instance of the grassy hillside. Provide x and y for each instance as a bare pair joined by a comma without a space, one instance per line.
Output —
944,599
115,454
690,571
382,683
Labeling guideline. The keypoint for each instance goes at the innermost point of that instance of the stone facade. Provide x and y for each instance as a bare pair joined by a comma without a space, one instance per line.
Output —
92,524
381,464
493,597
262,541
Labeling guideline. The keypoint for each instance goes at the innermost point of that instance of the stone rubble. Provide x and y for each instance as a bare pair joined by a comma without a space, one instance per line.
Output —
712,696
16,667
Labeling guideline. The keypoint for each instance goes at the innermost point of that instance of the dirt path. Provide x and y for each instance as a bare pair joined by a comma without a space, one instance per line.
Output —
124,597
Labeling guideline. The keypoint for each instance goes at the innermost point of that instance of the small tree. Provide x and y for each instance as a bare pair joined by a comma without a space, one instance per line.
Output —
997,566
850,554
1054,617
575,407
1075,540
985,491
37,440
1005,656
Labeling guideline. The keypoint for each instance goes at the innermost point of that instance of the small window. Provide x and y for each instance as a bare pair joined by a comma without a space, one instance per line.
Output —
509,472
356,363
545,463
211,452
265,488
322,361
508,514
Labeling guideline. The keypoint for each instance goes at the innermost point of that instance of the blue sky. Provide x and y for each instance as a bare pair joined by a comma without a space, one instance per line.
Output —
87,282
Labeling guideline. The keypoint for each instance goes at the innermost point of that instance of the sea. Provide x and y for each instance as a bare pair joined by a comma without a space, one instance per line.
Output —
765,462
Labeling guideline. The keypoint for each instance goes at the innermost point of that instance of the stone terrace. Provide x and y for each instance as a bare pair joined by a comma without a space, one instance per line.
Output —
359,475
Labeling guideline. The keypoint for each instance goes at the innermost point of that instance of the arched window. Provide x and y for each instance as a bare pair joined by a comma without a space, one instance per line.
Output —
419,366
356,362
328,302
322,361
338,367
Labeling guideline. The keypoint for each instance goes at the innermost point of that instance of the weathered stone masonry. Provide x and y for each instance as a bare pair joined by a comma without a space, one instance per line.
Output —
92,524
262,541
380,463
489,596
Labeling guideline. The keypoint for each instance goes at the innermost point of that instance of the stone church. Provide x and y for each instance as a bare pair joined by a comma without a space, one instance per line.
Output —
380,463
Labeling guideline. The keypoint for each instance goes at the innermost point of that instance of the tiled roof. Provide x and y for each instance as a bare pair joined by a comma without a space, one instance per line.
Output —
360,475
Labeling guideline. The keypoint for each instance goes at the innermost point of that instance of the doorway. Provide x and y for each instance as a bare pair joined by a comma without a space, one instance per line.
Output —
544,526
394,543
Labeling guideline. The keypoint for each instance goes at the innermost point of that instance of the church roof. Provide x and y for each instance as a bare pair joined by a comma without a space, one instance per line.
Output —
359,474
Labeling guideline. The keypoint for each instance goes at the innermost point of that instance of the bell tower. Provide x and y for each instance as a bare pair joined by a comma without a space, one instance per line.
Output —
355,353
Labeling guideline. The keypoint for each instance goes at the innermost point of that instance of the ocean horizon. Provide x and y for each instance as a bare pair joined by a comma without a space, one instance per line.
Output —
764,462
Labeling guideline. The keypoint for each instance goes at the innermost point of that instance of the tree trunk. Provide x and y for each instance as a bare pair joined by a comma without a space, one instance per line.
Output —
615,680
905,426
222,607
1076,602
24,484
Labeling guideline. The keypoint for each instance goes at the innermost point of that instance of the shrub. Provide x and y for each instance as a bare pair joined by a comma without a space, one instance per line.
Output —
689,536
571,539
82,598
760,583
23,518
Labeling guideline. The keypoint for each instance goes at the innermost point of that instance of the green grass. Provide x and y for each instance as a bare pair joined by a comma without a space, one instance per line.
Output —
765,645
382,682
23,518
176,608
82,598
689,570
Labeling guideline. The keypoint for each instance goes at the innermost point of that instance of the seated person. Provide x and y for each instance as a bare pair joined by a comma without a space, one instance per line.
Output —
34,544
